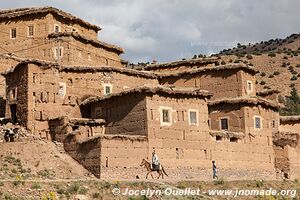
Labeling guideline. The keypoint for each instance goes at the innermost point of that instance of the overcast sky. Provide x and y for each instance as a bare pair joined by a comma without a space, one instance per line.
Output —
168,30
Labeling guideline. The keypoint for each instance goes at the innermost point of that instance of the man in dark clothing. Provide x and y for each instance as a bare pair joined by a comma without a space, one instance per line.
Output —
215,176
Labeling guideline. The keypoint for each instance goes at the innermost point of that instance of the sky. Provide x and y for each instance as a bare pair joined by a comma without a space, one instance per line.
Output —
168,30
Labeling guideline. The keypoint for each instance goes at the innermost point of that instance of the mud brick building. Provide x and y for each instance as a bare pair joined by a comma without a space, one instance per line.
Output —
170,118
230,81
269,94
182,65
256,118
286,146
38,91
64,84
50,34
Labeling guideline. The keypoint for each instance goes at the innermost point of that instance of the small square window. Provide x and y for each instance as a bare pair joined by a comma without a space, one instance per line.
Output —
249,87
273,124
233,139
13,33
107,89
218,138
30,31
193,117
224,124
257,121
166,116
56,28
59,52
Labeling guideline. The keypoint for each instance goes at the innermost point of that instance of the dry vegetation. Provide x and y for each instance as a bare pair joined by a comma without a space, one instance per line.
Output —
96,189
277,60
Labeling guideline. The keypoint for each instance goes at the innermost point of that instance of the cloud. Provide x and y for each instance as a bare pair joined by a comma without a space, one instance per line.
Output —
173,29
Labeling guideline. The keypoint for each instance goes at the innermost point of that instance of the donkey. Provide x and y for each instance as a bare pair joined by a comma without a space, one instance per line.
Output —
147,165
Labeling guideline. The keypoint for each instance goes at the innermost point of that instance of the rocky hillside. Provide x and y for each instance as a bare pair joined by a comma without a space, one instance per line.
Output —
278,61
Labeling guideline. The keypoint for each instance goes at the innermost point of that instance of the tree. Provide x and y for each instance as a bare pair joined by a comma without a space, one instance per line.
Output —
291,103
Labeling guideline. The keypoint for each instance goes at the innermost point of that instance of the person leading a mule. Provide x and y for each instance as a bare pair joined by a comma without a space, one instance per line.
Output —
155,161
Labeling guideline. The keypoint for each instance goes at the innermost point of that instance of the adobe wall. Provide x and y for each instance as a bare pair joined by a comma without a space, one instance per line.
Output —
294,161
223,83
179,144
69,26
102,154
126,115
245,76
22,45
254,151
180,68
5,63
78,53
233,113
17,94
61,127
261,138
53,93
290,126
272,96
122,155
87,153
287,161
41,47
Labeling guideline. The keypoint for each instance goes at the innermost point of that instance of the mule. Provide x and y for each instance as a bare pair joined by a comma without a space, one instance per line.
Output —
161,171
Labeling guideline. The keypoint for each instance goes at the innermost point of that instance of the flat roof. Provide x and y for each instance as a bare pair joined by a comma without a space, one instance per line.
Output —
152,89
181,62
246,100
213,68
268,92
290,118
88,40
19,12
48,64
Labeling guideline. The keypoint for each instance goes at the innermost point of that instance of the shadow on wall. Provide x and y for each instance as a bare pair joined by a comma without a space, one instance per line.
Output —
2,107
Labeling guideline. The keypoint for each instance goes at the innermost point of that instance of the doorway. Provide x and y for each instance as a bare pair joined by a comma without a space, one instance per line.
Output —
13,113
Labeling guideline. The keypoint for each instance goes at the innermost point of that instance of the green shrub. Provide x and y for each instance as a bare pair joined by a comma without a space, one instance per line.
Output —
276,73
294,78
35,186
272,54
262,82
45,173
259,183
249,57
271,76
96,195
220,181
73,189
83,190
263,74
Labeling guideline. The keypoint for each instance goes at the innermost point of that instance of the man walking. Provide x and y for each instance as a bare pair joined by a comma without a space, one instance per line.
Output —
215,176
